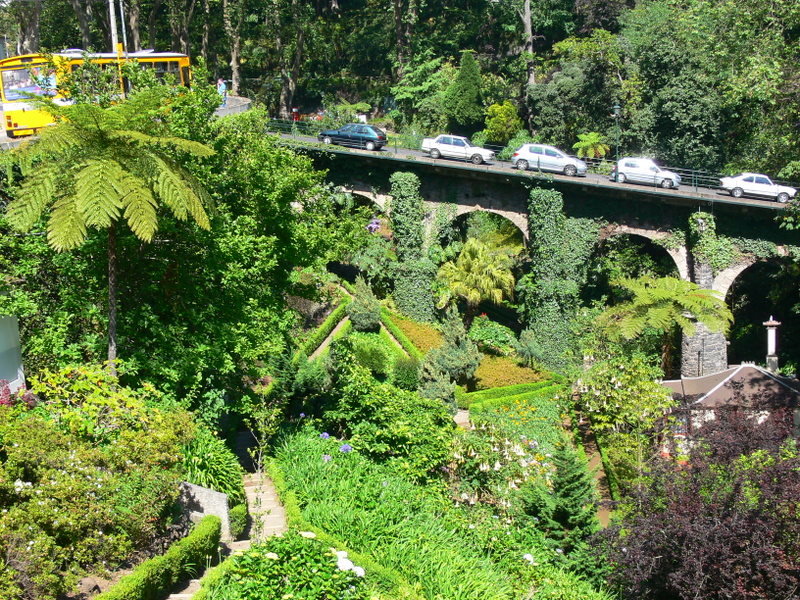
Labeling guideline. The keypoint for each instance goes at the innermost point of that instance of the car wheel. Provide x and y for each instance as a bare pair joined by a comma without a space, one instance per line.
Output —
666,183
737,192
783,197
327,140
621,178
476,159
435,154
370,146
522,165
570,171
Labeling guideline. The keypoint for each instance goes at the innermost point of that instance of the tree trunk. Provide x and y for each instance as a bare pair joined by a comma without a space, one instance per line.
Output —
290,79
28,14
232,20
83,22
206,31
152,23
134,24
527,26
112,300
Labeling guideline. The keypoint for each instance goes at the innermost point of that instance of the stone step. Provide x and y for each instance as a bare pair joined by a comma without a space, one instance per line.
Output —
187,591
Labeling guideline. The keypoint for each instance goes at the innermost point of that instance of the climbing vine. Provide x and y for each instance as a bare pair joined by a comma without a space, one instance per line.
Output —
718,252
675,239
549,294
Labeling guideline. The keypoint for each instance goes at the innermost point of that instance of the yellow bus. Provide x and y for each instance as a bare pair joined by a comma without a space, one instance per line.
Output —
21,76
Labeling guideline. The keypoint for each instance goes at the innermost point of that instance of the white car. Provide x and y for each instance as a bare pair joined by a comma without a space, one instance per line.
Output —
756,185
644,170
547,158
455,146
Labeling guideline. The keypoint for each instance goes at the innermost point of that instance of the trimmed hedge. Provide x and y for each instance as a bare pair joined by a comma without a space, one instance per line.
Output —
464,400
391,583
152,579
324,330
477,408
401,337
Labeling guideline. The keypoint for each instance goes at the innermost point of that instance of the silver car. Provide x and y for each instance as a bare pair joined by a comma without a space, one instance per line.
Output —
644,170
757,185
541,157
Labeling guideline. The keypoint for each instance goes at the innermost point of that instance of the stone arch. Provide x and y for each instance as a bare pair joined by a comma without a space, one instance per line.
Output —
520,220
725,278
359,188
679,255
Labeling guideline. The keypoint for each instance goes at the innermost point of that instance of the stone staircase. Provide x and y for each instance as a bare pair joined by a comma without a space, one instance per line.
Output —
267,518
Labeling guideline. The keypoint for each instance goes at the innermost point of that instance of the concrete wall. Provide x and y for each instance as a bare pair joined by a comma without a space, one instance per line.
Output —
198,502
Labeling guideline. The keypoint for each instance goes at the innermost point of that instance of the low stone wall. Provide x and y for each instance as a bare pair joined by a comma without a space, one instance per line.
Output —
199,502
235,104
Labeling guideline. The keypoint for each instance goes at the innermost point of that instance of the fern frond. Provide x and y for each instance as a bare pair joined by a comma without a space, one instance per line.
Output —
66,228
99,188
140,208
188,146
30,200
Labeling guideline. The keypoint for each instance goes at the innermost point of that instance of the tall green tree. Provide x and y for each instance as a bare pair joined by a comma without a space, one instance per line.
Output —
101,166
464,98
477,275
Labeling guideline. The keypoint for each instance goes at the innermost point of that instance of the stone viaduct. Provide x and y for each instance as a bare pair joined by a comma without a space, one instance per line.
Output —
640,211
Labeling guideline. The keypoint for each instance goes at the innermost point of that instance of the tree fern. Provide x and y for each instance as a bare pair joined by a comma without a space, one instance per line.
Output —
100,165
661,303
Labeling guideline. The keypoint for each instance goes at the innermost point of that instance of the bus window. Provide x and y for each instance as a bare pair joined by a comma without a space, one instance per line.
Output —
18,83
185,80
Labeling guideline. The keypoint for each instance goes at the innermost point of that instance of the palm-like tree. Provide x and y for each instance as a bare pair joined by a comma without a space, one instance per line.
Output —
661,303
591,145
478,274
99,166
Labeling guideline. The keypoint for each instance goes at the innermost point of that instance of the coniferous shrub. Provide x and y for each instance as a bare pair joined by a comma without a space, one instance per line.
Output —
435,384
365,310
371,352
458,356
464,105
405,372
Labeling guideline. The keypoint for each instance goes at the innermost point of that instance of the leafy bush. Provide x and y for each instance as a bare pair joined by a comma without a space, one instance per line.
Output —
149,580
467,399
294,565
88,476
502,122
386,422
413,289
492,336
405,373
502,371
458,356
400,336
520,138
371,352
365,310
209,462
238,520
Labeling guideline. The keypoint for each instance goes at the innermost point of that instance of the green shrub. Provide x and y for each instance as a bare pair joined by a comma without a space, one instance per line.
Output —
364,310
466,399
371,352
294,565
238,520
435,384
87,478
405,372
150,579
504,401
208,462
310,379
458,356
413,289
492,336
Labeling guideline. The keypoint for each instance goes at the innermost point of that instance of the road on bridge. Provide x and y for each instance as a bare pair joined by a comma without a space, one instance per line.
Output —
706,194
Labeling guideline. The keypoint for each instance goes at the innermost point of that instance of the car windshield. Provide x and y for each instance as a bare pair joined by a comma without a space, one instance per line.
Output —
467,142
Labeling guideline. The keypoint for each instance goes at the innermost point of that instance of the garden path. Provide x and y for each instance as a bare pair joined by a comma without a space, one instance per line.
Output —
326,342
596,467
267,518
462,419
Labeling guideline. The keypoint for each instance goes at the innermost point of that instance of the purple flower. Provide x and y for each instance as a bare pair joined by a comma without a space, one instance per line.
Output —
345,448
302,415
326,457
374,225
324,435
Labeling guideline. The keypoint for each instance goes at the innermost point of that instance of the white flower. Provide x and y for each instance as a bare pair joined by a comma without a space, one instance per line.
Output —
483,467
341,554
528,557
308,534
344,564
359,571
271,555
497,465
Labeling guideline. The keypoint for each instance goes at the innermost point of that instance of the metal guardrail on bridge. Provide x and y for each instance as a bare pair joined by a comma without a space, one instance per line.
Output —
693,179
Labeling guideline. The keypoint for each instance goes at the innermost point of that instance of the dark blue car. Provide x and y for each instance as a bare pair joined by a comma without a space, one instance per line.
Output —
358,135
